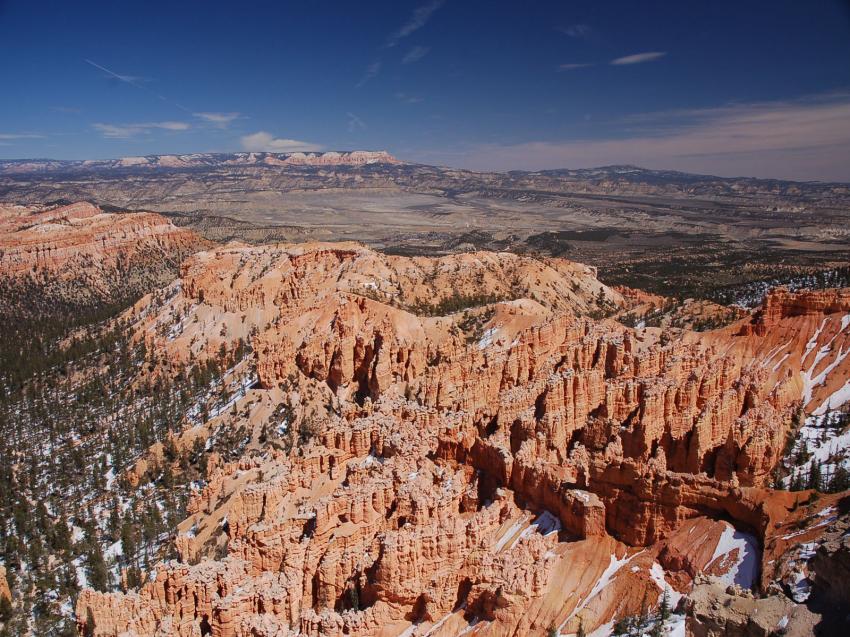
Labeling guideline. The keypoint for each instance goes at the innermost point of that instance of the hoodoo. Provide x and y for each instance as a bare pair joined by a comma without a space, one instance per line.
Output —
475,449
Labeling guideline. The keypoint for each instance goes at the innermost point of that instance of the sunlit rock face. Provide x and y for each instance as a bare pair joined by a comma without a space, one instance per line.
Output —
479,453
78,255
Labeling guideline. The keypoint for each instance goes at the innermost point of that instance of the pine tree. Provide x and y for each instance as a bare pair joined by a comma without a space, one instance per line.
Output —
840,480
621,626
796,482
128,540
642,618
814,477
5,609
114,524
61,537
97,572
664,609
69,583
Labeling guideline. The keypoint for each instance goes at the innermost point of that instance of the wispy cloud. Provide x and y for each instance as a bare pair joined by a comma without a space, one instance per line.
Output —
266,142
14,136
572,67
219,120
371,71
70,110
415,54
801,139
638,58
408,99
131,79
136,82
576,30
420,17
355,123
127,131
127,79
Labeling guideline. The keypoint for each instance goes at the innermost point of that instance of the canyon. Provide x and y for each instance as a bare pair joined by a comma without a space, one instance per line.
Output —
326,439
410,319
516,466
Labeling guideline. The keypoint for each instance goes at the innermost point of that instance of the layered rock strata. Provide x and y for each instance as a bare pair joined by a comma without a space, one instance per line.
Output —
481,454
78,254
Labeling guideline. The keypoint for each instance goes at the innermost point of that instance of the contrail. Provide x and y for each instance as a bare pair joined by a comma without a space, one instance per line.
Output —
127,80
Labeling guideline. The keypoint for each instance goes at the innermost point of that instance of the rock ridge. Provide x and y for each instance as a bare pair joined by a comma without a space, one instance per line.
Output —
483,451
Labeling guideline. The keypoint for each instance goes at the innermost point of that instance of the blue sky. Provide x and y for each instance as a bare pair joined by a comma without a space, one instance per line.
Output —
730,88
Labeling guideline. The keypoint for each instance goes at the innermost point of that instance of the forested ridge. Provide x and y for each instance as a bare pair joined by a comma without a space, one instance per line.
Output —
79,405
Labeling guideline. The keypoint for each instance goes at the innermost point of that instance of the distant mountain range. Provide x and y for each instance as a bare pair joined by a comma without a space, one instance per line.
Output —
199,160
621,174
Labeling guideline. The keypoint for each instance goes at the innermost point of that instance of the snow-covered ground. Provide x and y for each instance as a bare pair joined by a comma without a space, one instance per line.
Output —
237,387
797,581
608,574
838,398
810,379
752,294
737,555
545,524
487,338
828,446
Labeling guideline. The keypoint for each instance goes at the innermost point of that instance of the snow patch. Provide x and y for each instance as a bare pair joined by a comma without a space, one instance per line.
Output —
546,524
510,533
658,576
610,572
837,399
745,567
487,337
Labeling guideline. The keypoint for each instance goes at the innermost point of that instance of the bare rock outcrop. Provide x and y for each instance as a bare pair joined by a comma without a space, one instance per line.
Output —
77,255
202,160
715,610
480,451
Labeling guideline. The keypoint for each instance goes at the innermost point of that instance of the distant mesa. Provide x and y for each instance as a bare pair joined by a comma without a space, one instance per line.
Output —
203,160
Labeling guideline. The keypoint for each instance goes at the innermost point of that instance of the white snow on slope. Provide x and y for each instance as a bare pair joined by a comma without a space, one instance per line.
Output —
610,572
657,575
780,361
828,446
837,399
488,337
509,534
811,381
545,524
774,352
744,568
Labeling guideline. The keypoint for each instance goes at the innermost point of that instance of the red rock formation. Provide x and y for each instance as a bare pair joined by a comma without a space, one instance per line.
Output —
58,239
779,304
4,585
463,463
66,258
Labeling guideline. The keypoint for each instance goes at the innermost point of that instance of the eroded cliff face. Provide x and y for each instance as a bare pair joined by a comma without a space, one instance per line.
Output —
78,254
476,452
